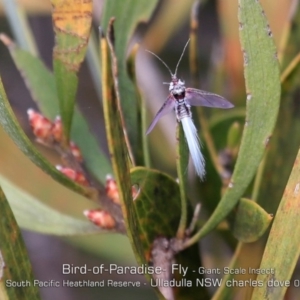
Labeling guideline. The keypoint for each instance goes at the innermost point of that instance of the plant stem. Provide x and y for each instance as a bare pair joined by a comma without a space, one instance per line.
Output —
286,30
258,179
194,67
145,140
288,70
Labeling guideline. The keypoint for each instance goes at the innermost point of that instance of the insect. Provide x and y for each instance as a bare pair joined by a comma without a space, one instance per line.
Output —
180,100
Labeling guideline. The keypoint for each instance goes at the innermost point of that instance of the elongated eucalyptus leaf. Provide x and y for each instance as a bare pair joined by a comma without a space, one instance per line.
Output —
283,148
158,194
16,16
263,95
93,61
117,145
128,14
14,262
41,84
72,23
31,214
282,250
13,129
285,142
279,161
38,79
143,154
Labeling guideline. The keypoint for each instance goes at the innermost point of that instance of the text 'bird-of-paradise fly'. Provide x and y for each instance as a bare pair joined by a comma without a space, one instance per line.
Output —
181,99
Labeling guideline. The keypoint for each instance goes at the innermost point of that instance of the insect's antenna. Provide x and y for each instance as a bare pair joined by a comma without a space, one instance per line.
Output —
181,56
162,62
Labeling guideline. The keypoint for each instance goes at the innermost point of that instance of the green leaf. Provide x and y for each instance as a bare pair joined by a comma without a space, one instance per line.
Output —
284,238
93,61
158,193
66,85
38,79
19,24
282,150
117,146
234,135
159,210
284,147
13,129
263,94
128,14
14,262
144,153
33,215
41,84
249,221
285,141
72,24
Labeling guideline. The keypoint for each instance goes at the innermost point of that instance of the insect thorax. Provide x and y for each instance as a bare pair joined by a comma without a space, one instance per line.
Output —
177,87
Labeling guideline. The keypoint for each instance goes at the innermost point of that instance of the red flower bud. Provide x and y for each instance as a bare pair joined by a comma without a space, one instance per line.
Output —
73,175
41,126
100,218
111,189
76,151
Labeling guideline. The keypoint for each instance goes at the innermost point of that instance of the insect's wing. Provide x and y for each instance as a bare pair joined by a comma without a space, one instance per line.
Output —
202,98
166,108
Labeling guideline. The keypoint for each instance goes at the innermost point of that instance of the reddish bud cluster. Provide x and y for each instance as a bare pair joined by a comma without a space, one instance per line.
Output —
73,175
41,126
76,151
48,132
112,191
100,218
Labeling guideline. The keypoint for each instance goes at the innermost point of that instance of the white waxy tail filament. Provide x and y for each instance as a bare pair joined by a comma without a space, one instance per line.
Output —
193,141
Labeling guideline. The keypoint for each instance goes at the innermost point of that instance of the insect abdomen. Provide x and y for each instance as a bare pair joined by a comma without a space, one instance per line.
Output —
182,110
